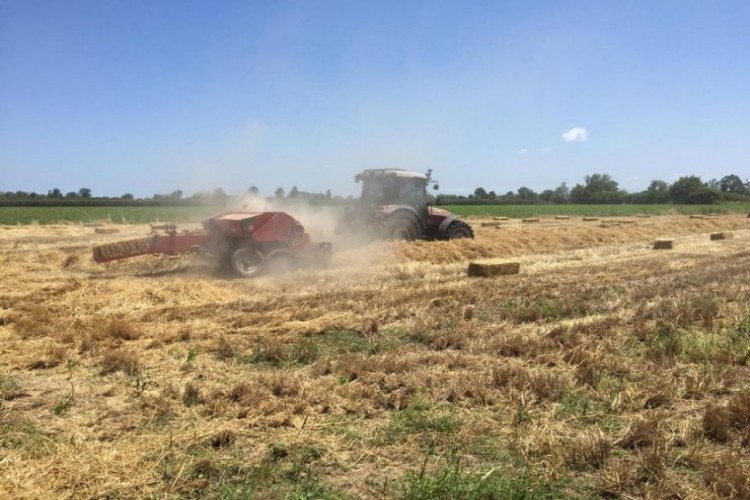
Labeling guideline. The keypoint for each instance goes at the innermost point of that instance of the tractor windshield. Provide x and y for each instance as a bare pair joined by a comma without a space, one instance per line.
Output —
388,189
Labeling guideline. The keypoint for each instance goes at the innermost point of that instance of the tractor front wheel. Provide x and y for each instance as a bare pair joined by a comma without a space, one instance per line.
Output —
247,262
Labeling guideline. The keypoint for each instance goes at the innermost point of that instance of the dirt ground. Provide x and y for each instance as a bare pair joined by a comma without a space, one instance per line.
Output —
604,369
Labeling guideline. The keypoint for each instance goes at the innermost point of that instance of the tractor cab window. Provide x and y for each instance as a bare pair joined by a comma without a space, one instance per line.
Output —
389,189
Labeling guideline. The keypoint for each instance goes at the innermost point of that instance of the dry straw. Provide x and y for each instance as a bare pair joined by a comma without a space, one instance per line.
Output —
590,219
505,218
488,268
697,216
529,220
106,230
489,224
663,244
562,217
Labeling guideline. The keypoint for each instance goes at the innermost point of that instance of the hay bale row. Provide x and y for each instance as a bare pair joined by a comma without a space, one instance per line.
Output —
106,230
622,221
489,224
529,220
697,216
93,224
499,218
487,269
663,244
562,217
590,219
724,235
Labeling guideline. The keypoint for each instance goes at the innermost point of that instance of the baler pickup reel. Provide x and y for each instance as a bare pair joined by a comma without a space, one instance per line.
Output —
250,243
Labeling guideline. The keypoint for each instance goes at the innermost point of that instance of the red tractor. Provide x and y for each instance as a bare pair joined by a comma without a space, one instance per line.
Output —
250,243
395,205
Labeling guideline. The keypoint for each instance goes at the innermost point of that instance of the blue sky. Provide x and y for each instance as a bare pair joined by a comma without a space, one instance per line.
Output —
151,96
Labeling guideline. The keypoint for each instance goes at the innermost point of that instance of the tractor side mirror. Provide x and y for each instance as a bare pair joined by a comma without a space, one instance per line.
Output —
436,186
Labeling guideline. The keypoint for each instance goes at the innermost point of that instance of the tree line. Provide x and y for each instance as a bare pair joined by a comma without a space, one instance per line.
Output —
603,189
596,189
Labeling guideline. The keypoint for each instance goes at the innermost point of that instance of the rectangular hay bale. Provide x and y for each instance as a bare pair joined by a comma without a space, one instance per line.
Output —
723,235
106,230
489,224
529,220
590,219
487,269
562,217
500,218
663,244
697,216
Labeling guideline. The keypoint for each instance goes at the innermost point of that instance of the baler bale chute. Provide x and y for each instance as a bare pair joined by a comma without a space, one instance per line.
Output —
250,243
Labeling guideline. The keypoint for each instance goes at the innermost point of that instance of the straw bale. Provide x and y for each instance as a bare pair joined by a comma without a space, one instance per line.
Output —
505,218
663,244
93,224
489,268
623,221
562,217
697,216
106,230
590,219
723,235
529,220
489,224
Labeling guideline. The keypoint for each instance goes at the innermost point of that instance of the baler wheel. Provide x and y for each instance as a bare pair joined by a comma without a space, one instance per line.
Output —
247,262
280,262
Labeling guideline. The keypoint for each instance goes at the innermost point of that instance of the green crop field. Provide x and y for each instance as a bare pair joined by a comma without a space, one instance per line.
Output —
115,215
591,210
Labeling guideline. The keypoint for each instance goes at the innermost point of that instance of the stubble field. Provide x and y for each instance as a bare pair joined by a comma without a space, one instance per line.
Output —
604,369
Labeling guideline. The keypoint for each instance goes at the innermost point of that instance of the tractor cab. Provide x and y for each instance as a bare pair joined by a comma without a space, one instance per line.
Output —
385,187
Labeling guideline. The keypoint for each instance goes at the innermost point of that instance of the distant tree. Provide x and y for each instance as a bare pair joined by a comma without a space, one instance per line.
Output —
84,193
54,193
733,184
547,195
525,193
72,194
562,194
280,192
253,190
175,195
492,195
328,194
127,196
691,190
599,188
218,193
293,193
480,193
657,192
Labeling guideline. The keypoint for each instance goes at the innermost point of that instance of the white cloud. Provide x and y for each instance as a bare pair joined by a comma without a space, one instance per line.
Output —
576,134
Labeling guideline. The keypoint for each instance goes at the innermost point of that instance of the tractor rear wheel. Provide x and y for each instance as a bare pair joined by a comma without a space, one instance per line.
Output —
247,262
401,228
459,229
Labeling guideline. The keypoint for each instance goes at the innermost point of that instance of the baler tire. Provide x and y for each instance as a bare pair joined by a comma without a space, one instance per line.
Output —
459,229
247,262
280,262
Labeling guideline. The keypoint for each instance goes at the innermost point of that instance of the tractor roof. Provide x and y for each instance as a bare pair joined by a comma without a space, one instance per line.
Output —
395,172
